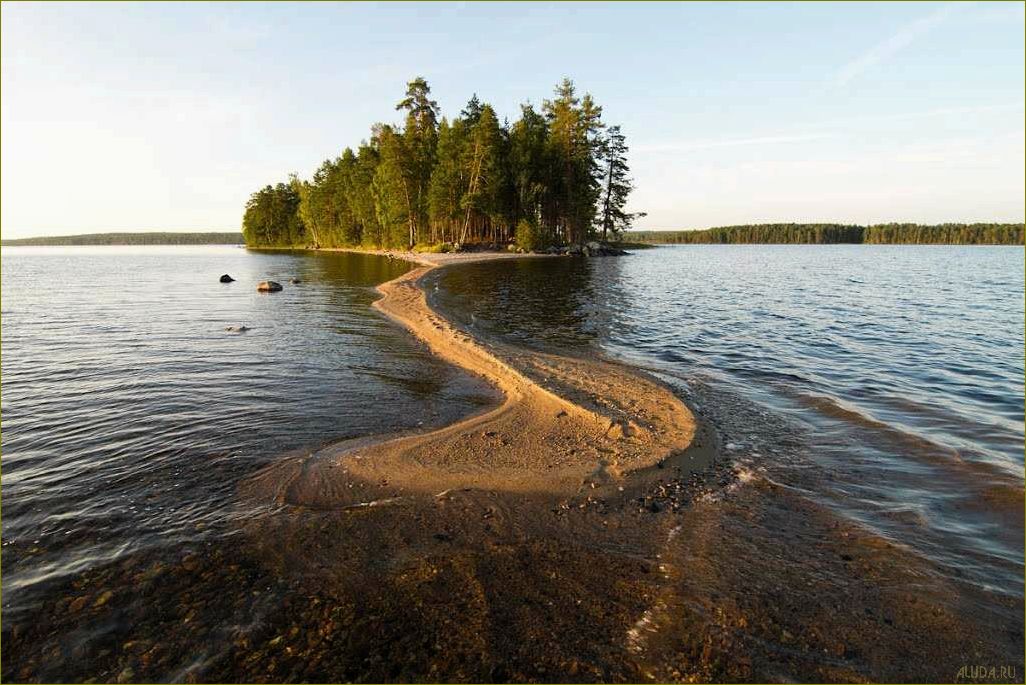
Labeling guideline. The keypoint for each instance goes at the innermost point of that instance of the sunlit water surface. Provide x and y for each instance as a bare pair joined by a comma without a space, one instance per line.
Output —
902,366
130,414
883,384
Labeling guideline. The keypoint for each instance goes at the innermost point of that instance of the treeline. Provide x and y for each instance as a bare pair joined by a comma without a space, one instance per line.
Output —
907,234
155,238
554,176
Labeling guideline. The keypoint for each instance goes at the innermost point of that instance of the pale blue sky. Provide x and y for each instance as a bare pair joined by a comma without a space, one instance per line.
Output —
166,116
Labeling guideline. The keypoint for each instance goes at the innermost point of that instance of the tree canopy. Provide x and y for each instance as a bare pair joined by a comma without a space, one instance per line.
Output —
144,238
560,175
908,234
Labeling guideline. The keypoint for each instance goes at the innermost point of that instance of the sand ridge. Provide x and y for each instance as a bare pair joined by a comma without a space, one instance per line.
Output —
564,425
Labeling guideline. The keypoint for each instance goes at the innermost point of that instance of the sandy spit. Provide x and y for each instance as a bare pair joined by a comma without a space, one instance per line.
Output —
564,425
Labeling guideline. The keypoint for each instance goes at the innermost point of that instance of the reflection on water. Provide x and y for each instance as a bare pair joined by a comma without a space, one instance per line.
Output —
130,414
903,364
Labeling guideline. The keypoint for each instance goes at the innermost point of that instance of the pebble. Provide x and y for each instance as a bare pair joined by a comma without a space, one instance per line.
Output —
191,562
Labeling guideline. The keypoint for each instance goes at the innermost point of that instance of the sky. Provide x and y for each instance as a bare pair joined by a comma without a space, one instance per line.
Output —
166,116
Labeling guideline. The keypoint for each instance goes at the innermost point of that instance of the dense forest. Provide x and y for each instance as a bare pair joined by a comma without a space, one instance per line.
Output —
155,238
557,176
908,234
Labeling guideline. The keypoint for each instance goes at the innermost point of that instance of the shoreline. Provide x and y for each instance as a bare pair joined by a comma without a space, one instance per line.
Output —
562,426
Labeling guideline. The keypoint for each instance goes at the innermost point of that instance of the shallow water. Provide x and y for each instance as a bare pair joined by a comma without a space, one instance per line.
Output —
902,366
130,414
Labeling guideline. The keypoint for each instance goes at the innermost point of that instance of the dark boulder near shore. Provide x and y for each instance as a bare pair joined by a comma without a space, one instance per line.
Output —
590,249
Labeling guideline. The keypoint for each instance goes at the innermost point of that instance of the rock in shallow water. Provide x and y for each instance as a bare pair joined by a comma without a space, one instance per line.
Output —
225,278
268,286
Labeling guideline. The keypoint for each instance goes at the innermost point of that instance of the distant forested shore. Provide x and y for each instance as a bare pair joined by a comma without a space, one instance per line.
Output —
815,234
155,238
555,176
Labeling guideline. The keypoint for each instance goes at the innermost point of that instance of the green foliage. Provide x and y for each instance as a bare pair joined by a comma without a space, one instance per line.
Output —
951,234
528,238
574,143
392,190
617,185
468,180
272,217
154,238
912,234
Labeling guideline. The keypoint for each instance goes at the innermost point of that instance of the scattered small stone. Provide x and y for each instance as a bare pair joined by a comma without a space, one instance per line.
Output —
191,562
103,599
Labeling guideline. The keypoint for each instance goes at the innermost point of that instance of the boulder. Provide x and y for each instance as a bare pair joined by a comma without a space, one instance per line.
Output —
597,249
268,286
225,278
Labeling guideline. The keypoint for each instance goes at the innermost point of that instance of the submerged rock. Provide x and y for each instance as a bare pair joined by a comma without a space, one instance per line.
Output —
237,329
225,278
268,286
294,281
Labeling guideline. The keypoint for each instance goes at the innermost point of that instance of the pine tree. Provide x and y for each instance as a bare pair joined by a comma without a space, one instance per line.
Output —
420,138
472,112
530,170
574,126
448,182
393,188
483,171
617,184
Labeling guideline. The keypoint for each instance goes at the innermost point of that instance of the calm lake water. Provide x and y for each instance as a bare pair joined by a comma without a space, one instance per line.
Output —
884,383
901,366
130,414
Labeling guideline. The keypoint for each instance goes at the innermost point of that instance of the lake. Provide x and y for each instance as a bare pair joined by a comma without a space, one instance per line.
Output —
130,413
867,399
901,365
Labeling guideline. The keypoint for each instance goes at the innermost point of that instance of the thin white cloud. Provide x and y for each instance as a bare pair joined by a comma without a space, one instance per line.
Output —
693,145
895,43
